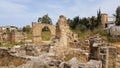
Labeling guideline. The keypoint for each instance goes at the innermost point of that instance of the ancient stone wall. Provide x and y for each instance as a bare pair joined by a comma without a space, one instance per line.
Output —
12,37
37,29
108,56
115,33
17,36
101,50
5,38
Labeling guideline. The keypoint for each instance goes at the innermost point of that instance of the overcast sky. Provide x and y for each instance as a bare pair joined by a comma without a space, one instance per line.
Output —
22,12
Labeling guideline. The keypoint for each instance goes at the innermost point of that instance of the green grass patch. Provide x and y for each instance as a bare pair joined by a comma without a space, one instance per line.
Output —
11,44
46,35
100,31
29,35
81,35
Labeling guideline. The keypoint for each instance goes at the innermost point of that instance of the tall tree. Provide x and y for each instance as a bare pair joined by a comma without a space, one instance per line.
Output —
118,16
85,21
93,23
45,19
98,18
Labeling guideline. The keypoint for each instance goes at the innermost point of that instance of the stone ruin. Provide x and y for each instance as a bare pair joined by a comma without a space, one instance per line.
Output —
37,29
63,35
6,58
114,33
58,54
101,50
59,32
12,36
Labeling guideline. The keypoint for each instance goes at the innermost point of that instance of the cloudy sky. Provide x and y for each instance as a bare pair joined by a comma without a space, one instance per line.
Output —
22,12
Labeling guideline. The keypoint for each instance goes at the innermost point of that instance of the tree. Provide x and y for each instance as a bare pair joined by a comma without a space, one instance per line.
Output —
45,19
70,22
118,16
85,21
75,22
14,27
81,28
39,19
27,29
24,29
93,23
98,18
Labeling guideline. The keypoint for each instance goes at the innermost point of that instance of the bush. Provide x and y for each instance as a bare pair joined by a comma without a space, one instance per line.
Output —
81,28
100,31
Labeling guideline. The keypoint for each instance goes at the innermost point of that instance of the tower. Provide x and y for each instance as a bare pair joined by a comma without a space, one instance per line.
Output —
104,20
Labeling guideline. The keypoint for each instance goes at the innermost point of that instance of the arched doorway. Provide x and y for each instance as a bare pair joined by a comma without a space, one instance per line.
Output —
37,30
45,34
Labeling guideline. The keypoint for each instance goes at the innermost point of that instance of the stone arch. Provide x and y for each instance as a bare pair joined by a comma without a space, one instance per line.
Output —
37,29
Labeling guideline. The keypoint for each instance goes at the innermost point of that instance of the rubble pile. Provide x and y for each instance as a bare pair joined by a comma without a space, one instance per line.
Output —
30,50
7,58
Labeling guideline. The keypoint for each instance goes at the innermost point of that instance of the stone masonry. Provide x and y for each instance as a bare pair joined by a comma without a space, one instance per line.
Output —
12,36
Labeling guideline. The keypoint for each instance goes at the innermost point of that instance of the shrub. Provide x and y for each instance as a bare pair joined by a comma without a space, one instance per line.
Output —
100,31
